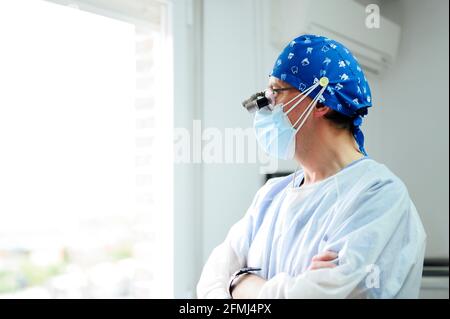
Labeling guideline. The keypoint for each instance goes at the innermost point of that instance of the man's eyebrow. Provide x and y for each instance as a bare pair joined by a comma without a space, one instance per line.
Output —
273,85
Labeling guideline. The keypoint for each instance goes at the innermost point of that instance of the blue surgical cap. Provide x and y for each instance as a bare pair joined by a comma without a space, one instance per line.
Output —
308,58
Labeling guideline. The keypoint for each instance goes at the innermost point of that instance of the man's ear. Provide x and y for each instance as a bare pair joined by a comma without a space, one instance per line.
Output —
321,110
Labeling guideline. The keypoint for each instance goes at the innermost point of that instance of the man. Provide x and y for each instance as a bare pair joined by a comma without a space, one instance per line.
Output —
343,226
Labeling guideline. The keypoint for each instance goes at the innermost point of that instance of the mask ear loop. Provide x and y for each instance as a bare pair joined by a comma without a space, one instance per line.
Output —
308,110
305,94
324,83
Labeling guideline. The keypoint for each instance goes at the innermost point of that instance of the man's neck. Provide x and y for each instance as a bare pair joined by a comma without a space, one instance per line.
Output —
327,157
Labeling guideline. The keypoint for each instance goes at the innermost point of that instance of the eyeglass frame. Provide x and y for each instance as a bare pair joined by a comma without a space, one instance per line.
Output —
276,91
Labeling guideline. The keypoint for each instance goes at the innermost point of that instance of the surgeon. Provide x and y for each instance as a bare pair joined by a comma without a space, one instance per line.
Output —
341,226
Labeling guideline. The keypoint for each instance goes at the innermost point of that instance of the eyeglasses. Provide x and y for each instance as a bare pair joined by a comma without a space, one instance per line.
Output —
271,93
275,91
263,99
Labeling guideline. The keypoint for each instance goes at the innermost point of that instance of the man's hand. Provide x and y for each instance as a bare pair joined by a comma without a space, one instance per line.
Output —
247,287
323,260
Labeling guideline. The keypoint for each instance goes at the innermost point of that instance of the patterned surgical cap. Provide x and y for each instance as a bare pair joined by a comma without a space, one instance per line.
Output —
308,58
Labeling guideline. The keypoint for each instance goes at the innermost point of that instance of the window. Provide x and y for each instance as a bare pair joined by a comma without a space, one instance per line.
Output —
85,151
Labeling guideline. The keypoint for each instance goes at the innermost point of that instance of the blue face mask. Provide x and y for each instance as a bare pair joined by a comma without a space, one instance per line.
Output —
274,131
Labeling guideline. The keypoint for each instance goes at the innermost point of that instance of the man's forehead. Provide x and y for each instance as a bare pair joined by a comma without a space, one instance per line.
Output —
273,81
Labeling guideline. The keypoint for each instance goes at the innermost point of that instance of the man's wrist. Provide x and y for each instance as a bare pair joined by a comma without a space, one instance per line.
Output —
236,277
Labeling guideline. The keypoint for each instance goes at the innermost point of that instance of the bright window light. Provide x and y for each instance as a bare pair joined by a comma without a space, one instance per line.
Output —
85,210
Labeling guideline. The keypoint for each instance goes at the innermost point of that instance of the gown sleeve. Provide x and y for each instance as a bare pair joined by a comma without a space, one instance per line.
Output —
379,241
229,256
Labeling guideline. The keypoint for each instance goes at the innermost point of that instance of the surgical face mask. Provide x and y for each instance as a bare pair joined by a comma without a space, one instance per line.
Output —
273,129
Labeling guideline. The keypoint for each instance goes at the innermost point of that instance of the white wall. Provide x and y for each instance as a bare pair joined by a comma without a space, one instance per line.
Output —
186,24
229,75
408,128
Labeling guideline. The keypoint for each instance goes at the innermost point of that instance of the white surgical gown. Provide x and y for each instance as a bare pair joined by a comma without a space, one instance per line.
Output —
363,213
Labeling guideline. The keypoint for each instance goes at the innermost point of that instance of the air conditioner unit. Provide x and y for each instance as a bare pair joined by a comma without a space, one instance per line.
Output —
340,20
